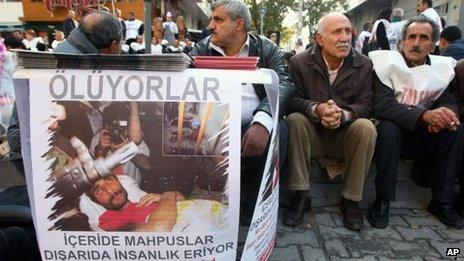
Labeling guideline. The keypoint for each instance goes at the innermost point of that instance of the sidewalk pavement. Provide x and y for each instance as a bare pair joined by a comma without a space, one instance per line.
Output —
413,234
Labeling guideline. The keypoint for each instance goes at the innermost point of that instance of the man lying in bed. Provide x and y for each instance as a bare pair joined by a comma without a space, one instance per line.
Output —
122,206
154,212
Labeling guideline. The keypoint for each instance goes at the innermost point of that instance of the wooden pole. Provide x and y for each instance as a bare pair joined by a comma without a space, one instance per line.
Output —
204,121
180,123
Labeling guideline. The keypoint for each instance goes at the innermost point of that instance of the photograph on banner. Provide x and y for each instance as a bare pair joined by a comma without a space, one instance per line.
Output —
117,142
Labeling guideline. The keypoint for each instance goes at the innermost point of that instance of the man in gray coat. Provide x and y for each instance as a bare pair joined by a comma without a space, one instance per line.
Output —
332,107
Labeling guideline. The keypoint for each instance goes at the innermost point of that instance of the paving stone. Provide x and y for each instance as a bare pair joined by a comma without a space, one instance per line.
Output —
324,219
420,248
452,234
418,233
424,222
383,258
400,211
341,232
397,221
310,254
442,246
374,233
370,246
306,238
335,247
285,253
300,228
338,219
364,258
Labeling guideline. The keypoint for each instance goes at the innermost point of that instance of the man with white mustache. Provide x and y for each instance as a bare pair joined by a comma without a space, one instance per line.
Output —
332,107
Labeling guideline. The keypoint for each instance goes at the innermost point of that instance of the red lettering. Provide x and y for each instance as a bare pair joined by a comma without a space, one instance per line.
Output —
50,5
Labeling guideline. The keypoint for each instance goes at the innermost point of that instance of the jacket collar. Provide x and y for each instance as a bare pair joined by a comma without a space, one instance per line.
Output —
245,47
254,48
410,65
315,57
78,40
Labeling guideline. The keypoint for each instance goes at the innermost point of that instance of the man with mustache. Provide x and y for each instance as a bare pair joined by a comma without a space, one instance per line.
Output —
154,212
332,107
229,26
419,119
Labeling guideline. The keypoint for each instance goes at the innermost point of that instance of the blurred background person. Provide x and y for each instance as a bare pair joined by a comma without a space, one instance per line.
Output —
156,47
382,31
31,40
69,23
363,37
298,46
170,28
59,38
397,23
451,43
182,28
134,27
158,28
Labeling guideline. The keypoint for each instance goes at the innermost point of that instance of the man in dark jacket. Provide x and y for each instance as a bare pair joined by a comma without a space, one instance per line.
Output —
457,89
451,43
69,23
332,107
418,124
229,26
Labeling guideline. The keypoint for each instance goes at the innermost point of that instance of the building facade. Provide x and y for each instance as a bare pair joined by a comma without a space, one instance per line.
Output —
362,11
48,14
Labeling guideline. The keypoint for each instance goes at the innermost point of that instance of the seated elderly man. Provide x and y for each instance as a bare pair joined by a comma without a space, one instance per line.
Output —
418,119
332,106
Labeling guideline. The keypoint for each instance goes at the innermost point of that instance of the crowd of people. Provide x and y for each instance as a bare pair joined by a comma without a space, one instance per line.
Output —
168,36
395,101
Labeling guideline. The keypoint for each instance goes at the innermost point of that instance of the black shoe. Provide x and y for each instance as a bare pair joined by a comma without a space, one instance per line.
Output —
353,218
300,204
446,213
378,215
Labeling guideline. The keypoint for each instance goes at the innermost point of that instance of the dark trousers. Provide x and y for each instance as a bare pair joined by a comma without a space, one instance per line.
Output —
395,142
252,168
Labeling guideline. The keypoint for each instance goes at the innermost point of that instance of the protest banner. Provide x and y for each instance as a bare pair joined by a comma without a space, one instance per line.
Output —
133,165
261,235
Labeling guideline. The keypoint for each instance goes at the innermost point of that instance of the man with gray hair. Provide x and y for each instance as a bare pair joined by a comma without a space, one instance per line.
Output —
99,32
229,26
331,110
419,119
396,24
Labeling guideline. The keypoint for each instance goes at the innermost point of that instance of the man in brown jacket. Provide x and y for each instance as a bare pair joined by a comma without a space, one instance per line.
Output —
331,105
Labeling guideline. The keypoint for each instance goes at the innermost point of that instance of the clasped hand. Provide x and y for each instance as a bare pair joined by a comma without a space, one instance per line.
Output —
329,114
